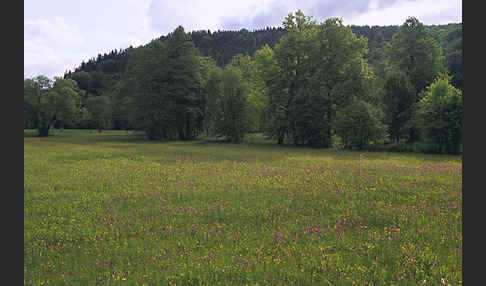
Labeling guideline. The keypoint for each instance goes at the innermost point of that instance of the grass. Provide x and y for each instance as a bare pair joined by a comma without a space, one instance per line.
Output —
113,209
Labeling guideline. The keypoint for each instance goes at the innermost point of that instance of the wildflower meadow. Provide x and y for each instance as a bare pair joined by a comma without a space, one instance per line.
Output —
112,209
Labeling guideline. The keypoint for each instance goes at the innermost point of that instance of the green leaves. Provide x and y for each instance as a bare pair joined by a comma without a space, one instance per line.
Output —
47,103
321,69
167,100
400,95
100,109
440,116
228,104
415,52
359,123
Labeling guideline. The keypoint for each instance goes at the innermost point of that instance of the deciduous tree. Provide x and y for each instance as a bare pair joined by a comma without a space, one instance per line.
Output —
439,115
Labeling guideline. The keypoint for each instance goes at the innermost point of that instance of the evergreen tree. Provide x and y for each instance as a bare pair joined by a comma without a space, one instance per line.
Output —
145,92
184,84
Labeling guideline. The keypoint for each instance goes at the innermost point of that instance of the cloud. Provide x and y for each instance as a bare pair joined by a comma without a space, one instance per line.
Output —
61,34
54,44
57,31
427,11
273,15
257,14
50,46
203,15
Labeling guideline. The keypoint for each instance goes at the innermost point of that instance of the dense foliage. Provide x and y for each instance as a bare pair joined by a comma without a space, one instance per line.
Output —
358,124
231,104
440,116
399,97
99,109
288,83
47,103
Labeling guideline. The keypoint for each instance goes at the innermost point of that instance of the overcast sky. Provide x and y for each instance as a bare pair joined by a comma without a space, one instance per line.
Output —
59,34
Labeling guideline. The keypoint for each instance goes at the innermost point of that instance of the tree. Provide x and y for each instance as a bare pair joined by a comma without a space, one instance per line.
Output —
400,95
414,52
274,121
321,68
164,88
359,123
255,87
231,116
339,74
100,109
184,84
32,90
212,106
439,115
46,103
84,81
144,91
120,104
292,57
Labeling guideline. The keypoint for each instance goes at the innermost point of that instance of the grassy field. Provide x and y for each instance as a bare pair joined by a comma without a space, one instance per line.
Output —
112,209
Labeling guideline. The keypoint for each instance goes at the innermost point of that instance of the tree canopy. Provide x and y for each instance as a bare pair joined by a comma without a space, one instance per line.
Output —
47,103
440,116
307,83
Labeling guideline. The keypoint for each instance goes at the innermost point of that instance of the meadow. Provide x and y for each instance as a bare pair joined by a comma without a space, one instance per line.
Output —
112,209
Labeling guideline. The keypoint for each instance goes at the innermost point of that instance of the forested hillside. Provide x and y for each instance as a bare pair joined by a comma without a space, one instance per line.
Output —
305,83
222,46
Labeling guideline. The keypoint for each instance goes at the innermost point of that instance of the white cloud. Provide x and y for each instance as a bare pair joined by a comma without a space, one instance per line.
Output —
54,44
42,31
59,34
427,11
50,47
165,15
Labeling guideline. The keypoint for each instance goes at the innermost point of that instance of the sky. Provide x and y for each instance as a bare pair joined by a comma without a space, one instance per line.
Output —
59,34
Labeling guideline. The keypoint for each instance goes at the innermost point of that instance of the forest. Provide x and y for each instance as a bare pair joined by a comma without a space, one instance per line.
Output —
307,83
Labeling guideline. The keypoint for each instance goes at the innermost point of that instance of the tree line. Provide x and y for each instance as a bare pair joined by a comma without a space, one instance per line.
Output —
316,85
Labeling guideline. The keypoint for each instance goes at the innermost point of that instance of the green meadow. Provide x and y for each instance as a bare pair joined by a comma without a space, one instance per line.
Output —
113,209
